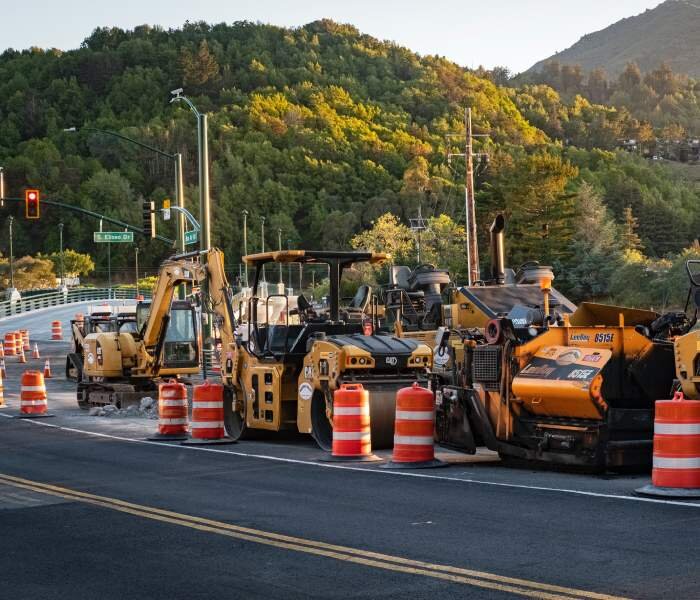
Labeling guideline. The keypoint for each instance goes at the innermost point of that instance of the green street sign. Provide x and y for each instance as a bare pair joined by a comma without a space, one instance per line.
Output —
113,236
191,237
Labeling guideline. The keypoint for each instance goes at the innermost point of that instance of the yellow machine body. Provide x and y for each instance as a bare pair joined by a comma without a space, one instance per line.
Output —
687,356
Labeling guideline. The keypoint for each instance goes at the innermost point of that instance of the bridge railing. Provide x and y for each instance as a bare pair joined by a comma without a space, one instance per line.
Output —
72,296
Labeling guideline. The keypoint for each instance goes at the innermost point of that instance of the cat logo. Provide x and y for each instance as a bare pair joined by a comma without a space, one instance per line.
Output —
392,361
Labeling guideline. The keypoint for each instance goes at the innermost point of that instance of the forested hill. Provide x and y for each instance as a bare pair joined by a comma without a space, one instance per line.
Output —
322,129
668,34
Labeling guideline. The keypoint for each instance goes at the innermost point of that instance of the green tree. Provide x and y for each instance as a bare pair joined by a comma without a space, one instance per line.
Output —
388,235
630,239
74,263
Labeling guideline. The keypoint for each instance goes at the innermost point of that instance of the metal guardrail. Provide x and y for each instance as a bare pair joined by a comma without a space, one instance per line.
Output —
57,297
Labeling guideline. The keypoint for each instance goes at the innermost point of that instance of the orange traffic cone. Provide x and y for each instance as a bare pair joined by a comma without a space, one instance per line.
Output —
3,372
47,369
2,351
22,356
35,352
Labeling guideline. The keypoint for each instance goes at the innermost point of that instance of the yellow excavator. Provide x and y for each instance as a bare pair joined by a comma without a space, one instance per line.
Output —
124,365
687,347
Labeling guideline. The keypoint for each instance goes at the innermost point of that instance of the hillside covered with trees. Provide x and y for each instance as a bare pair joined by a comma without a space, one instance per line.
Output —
323,130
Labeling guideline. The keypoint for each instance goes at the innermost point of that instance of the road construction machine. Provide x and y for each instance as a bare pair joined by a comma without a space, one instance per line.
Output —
124,364
103,319
546,381
419,302
687,347
280,374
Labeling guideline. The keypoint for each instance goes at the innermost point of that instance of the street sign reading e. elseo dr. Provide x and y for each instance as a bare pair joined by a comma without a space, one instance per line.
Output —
113,236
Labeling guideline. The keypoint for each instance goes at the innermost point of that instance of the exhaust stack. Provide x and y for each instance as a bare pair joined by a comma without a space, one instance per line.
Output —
497,247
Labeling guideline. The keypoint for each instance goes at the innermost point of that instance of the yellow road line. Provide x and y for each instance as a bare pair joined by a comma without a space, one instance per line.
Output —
453,574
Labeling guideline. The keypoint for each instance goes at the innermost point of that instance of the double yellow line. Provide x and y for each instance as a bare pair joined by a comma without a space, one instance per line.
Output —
481,579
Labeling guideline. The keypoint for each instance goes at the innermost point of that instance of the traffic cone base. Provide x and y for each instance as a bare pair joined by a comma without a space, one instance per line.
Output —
365,458
652,491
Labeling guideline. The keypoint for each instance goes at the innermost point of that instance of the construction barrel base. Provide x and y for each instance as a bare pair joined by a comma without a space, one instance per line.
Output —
665,492
167,437
206,442
426,464
367,458
35,416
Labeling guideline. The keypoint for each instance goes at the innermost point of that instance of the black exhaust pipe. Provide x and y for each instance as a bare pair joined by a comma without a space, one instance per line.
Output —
497,247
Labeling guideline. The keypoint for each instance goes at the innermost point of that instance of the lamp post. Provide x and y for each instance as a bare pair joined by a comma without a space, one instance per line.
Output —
177,165
2,186
289,265
203,159
12,259
136,264
60,245
245,243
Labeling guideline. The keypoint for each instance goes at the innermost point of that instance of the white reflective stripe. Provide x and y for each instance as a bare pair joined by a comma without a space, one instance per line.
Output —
171,394
173,402
198,404
351,435
32,403
350,410
677,428
661,462
410,415
33,388
206,424
413,440
172,421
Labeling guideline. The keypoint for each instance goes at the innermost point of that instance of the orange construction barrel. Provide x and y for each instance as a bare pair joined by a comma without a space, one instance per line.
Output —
414,446
352,439
676,460
56,331
172,412
25,339
9,344
18,342
207,423
2,394
32,396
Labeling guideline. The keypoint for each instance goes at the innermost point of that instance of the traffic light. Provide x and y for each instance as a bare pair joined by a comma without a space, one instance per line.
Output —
149,219
31,204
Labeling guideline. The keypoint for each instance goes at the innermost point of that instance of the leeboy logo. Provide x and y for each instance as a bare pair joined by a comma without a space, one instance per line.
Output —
392,361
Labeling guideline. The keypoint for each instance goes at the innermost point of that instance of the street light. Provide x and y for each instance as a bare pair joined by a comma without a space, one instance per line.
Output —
12,259
279,247
136,254
60,245
179,181
2,186
203,159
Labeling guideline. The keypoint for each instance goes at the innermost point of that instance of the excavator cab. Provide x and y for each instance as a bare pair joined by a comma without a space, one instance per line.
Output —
181,343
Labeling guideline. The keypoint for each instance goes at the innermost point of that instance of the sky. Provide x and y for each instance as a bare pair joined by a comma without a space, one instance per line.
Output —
511,33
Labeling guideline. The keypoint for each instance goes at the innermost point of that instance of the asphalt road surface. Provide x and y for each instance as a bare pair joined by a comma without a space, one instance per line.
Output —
90,509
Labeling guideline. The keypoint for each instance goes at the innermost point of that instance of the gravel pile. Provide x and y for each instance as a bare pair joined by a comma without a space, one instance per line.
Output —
147,409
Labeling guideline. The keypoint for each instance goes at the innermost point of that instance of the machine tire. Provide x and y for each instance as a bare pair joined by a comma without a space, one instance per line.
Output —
234,421
321,427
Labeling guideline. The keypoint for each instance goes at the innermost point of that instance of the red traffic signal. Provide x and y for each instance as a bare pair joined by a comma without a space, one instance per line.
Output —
31,204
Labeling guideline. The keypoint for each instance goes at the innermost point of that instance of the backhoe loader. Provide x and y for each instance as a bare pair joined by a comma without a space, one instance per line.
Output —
124,365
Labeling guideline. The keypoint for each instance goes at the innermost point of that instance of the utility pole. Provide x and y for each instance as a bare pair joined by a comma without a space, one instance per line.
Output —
472,246
109,268
470,209
2,186
289,266
418,225
245,243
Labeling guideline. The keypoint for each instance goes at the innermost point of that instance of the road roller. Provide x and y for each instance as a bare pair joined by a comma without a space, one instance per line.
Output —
284,364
